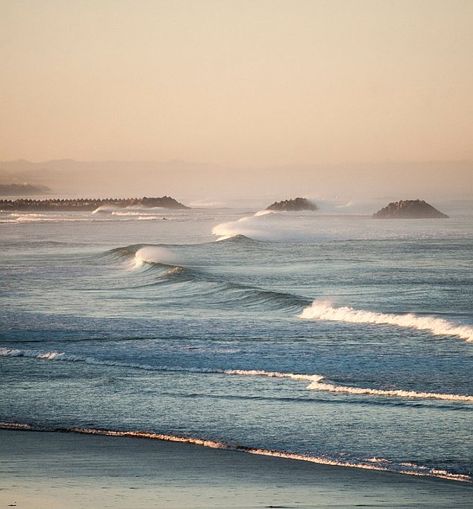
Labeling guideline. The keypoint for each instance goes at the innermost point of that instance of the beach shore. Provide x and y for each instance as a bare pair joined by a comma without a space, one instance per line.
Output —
53,470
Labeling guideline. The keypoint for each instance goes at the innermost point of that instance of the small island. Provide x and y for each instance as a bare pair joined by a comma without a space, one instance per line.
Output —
87,204
294,205
409,209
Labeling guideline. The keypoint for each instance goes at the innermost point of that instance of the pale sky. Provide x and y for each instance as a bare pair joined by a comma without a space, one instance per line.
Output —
257,82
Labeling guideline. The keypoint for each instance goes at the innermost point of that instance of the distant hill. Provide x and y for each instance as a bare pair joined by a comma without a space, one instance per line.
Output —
85,204
409,209
293,205
22,189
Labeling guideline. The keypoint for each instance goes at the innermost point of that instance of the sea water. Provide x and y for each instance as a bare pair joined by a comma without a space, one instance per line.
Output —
337,339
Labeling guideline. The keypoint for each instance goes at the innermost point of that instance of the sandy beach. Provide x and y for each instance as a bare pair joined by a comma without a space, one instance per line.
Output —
53,470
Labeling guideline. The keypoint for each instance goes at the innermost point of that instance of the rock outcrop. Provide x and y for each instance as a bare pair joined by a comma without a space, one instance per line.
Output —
85,204
293,205
409,209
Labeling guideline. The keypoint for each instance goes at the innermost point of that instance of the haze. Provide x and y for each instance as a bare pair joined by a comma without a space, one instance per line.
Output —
262,96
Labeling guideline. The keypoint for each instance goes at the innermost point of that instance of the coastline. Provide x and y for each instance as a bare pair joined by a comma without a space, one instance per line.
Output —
49,469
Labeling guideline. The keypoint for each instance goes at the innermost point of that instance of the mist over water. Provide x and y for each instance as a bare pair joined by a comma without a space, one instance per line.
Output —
354,188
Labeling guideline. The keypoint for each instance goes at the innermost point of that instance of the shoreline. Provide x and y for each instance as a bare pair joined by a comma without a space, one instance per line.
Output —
372,464
49,469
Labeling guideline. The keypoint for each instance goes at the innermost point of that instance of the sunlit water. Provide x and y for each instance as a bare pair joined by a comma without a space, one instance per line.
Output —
339,339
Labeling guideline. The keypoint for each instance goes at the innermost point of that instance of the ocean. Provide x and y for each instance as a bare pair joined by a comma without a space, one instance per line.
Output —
335,339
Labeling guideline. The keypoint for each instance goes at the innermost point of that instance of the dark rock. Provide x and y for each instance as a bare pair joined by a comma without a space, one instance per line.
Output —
293,205
409,209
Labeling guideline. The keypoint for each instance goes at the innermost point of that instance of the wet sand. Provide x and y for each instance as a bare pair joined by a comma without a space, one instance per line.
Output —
46,470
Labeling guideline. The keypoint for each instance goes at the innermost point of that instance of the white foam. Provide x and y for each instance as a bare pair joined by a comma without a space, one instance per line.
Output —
34,354
264,212
207,204
213,444
380,466
154,254
391,393
274,374
28,217
323,310
104,209
316,384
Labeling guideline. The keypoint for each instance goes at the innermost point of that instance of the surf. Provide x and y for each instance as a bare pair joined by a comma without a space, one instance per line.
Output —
315,382
323,310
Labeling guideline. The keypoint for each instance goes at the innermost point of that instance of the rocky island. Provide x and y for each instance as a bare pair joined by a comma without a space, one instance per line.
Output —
294,205
87,204
409,209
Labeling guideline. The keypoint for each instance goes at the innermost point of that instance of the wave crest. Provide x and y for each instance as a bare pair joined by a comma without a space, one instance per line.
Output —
323,310
155,255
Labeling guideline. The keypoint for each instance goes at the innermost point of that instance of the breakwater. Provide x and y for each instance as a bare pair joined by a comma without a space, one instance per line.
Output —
84,204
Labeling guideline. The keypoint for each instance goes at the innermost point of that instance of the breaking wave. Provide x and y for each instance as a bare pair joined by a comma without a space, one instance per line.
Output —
171,266
132,249
376,464
323,310
269,225
315,382
155,254
264,225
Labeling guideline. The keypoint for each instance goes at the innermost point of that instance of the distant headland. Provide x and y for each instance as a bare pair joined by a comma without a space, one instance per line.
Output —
409,209
22,189
87,204
293,205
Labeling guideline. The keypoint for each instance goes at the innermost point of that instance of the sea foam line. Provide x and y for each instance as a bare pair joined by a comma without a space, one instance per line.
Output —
323,310
315,382
376,464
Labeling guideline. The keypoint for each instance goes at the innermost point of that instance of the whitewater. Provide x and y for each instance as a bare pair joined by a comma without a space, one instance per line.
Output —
325,338
323,310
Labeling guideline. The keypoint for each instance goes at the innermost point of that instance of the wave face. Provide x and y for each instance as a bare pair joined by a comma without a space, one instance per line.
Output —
178,264
153,326
323,310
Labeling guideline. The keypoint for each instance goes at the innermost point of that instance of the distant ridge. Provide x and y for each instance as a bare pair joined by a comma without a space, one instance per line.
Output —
409,209
293,205
85,204
22,189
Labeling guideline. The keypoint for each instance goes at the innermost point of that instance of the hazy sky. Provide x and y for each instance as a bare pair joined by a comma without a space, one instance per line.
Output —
255,82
